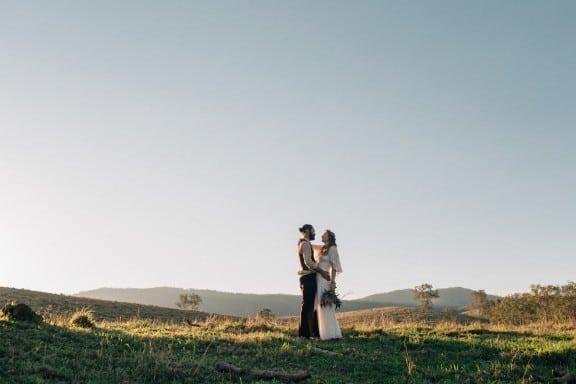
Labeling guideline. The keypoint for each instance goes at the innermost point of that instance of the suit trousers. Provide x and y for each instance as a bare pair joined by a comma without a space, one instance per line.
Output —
308,316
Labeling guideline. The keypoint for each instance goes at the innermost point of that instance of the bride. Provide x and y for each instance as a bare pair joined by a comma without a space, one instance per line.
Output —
328,260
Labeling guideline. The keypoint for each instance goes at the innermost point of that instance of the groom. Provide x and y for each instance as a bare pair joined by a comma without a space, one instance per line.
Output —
307,272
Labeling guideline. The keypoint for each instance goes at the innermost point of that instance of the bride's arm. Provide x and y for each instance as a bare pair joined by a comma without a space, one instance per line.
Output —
335,266
316,247
332,278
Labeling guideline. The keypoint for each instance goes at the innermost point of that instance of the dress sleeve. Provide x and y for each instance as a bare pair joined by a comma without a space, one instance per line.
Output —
335,259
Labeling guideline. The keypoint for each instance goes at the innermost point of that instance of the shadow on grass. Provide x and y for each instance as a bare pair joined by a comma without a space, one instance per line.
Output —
46,353
475,355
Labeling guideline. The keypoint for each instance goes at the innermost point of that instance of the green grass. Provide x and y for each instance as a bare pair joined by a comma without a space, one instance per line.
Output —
377,348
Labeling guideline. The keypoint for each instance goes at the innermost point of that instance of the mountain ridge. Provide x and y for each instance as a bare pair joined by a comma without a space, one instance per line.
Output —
249,304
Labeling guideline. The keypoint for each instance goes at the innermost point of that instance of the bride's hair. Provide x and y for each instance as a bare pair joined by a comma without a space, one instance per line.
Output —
331,242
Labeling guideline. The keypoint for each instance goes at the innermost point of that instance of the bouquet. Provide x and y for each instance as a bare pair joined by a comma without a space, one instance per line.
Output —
330,297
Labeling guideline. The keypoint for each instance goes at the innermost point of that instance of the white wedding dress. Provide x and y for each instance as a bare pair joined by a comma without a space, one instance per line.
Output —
327,322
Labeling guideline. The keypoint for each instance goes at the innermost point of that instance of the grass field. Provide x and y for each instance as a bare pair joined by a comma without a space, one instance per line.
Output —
387,345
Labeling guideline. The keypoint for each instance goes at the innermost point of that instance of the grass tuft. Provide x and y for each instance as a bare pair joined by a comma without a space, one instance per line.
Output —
84,318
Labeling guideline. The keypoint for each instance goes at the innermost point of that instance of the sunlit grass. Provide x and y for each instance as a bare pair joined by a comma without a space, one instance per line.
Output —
388,345
148,351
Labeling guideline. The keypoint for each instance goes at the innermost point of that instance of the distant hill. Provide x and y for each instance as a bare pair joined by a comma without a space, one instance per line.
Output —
240,304
457,298
49,304
246,304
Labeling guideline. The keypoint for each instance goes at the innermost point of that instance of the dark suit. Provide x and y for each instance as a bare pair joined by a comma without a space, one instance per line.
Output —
308,315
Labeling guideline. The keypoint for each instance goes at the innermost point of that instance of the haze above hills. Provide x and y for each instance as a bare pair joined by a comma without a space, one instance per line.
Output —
246,304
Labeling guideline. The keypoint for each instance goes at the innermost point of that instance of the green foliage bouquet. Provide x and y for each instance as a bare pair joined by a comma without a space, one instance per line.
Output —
330,297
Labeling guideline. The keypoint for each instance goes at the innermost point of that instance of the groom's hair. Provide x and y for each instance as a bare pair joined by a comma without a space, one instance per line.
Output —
305,227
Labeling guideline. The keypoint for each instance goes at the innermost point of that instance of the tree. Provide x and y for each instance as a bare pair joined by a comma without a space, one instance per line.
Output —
547,298
266,314
425,294
480,302
189,301
568,305
544,304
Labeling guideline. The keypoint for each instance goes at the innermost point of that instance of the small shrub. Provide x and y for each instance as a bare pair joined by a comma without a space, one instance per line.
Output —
83,318
266,314
20,312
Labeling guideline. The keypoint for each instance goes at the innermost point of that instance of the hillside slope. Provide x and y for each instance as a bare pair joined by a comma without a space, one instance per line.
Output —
46,303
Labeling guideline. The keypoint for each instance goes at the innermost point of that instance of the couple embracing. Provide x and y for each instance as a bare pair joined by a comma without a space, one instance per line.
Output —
319,265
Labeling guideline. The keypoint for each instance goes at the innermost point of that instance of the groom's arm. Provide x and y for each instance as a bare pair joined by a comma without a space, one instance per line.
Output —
324,273
309,261
307,253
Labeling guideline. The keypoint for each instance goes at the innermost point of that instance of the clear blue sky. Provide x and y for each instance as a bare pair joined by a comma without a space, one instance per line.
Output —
182,143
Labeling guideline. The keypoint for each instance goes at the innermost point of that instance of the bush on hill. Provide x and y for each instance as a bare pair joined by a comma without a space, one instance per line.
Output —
20,312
